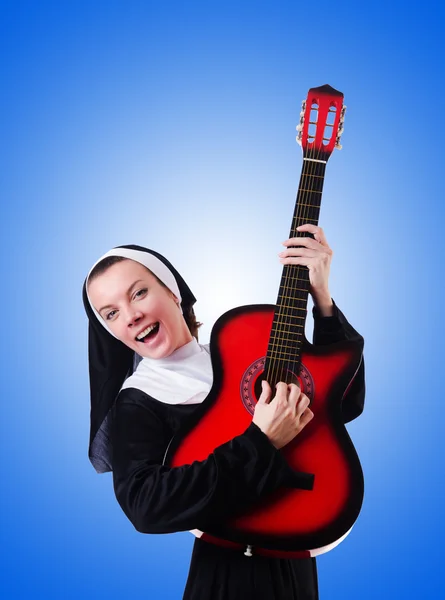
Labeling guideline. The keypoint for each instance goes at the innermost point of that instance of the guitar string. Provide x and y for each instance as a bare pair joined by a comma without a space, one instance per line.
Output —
294,272
284,317
305,195
301,271
316,170
281,333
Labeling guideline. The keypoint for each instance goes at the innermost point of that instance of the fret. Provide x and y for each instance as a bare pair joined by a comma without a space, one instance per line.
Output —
294,357
307,219
288,277
311,191
291,324
310,175
293,277
281,345
289,288
293,307
288,316
293,297
311,205
279,335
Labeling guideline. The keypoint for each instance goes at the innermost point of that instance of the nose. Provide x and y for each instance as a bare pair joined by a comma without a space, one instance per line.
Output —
133,316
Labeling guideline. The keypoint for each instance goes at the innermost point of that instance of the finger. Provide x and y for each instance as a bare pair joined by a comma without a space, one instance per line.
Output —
307,416
266,393
302,405
302,241
316,231
281,388
307,252
297,260
294,394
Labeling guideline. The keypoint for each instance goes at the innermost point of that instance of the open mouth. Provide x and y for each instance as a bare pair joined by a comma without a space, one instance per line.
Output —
151,335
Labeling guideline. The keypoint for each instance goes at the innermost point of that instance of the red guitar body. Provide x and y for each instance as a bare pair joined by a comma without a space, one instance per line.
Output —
290,519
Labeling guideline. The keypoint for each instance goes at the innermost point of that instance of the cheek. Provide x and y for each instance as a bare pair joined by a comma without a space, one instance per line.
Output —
156,309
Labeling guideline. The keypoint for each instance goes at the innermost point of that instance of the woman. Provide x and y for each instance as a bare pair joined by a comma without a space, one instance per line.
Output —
148,373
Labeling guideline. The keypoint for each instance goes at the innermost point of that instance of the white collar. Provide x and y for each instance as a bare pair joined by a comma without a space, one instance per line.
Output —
183,377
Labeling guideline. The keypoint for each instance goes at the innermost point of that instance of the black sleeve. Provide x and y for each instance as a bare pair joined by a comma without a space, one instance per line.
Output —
328,330
161,499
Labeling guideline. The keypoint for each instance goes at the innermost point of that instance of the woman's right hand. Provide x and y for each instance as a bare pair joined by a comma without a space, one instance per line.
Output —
284,418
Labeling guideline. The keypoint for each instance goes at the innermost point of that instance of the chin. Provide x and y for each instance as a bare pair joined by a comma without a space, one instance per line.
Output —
160,352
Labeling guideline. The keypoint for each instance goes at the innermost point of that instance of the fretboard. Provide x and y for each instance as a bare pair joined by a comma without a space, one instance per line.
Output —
286,338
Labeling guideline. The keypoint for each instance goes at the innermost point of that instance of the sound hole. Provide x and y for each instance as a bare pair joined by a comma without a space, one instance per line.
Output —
250,388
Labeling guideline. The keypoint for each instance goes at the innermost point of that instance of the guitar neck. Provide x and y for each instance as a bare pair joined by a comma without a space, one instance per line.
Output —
307,205
287,333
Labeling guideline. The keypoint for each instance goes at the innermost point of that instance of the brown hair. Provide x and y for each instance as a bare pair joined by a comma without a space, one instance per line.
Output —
105,264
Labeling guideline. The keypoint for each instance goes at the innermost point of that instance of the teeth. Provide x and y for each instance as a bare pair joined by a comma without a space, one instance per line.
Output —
146,331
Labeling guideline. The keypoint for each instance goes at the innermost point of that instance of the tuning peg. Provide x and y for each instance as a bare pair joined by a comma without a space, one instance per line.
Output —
299,127
338,146
342,112
298,138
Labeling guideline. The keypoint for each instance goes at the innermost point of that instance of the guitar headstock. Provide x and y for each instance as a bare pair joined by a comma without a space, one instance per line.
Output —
321,122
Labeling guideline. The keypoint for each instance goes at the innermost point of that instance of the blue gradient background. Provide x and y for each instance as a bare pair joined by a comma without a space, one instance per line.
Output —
172,125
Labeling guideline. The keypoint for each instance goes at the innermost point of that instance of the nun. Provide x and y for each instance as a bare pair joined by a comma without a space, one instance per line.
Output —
148,373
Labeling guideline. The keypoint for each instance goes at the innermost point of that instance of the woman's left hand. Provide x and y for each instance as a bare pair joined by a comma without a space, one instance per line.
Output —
316,255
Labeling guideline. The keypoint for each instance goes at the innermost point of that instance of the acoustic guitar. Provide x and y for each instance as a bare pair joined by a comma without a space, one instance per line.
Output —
262,341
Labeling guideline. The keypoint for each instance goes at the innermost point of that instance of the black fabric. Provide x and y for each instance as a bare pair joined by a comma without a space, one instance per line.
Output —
217,573
110,363
159,499
328,330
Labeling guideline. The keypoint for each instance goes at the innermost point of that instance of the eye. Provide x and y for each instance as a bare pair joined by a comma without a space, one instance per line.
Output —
143,290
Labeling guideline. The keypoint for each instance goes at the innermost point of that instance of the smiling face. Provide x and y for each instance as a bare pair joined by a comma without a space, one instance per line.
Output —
129,298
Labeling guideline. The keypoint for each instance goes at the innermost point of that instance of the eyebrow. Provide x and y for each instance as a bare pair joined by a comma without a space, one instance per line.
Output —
128,291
